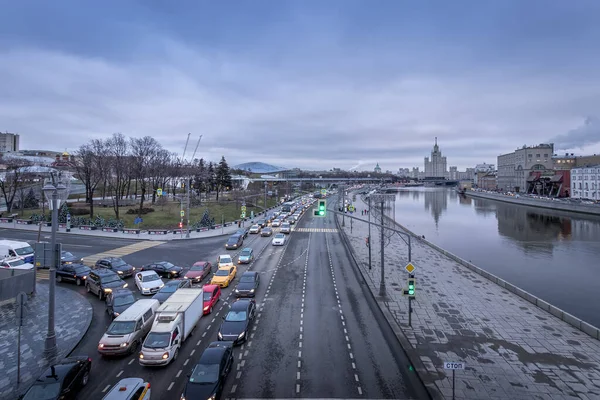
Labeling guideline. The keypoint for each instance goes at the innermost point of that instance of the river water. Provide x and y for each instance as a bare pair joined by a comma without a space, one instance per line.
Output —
554,255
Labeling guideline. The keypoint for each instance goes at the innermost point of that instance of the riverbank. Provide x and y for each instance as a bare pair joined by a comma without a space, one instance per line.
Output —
531,202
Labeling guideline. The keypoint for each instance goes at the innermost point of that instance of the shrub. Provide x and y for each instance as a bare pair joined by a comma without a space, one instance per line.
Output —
145,210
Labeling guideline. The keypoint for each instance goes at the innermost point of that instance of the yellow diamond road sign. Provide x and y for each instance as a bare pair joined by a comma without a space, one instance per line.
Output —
410,268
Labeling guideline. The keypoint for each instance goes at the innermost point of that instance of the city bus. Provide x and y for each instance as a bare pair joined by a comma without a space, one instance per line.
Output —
288,207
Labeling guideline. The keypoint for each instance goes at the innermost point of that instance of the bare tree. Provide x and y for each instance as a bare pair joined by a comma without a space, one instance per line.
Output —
117,150
144,152
160,172
90,168
13,179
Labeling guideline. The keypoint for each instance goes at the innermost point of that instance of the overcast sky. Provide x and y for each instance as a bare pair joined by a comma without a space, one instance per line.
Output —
309,84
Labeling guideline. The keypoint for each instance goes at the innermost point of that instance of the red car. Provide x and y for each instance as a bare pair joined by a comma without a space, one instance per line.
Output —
212,294
198,271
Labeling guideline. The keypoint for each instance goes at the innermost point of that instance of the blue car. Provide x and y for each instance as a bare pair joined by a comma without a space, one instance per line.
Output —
246,256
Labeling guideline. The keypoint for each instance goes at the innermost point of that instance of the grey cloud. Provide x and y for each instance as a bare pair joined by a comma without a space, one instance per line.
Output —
580,137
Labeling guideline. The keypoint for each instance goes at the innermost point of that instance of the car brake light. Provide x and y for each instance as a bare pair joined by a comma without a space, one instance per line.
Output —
90,359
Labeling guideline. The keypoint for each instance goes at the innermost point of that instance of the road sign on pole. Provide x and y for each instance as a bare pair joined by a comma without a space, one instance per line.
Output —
182,213
453,366
243,209
410,268
324,192
159,192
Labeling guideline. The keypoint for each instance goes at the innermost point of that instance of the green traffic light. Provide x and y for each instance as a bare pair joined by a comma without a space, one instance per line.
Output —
321,212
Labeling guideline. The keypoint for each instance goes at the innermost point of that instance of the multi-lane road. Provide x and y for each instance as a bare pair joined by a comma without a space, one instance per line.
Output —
317,333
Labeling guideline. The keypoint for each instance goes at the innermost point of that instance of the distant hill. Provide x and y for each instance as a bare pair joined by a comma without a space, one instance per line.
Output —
260,168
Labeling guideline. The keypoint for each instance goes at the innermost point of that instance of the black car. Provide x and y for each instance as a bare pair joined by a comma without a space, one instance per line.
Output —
243,231
117,265
266,231
170,288
63,380
208,376
262,222
68,258
236,324
164,269
102,281
118,301
77,273
235,241
248,285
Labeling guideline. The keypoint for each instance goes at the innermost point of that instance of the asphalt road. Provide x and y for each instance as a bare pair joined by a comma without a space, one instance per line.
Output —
314,335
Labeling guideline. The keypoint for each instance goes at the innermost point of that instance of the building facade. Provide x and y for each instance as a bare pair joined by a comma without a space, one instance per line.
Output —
487,181
377,169
585,182
404,172
514,168
453,173
436,167
9,142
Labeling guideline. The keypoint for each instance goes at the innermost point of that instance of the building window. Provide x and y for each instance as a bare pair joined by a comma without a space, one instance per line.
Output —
545,155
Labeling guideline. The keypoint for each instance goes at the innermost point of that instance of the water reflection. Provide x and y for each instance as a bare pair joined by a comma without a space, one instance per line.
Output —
483,207
436,202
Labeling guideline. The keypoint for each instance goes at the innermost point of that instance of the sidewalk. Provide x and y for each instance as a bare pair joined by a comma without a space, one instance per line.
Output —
69,331
511,348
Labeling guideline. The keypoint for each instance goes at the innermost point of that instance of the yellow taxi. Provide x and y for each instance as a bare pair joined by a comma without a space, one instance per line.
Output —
224,276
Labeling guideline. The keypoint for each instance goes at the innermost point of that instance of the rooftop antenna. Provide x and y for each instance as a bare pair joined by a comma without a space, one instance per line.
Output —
185,148
196,149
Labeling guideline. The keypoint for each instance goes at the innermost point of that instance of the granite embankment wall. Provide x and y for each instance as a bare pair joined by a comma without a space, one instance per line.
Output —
549,204
570,319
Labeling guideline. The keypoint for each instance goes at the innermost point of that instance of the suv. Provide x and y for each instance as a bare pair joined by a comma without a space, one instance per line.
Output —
102,281
234,242
117,265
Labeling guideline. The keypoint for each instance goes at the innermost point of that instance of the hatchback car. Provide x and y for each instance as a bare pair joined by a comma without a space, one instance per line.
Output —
255,229
266,232
248,285
224,260
234,241
224,276
118,301
170,288
102,281
198,271
148,282
63,380
117,265
164,269
211,294
278,239
208,376
77,273
237,322
246,256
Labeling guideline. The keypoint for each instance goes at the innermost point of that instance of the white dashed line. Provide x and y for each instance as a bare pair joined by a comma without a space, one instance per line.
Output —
359,390
186,362
243,362
192,352
299,364
300,354
204,334
237,376
240,356
297,388
198,343
171,386
233,388
351,355
131,362
300,344
106,388
178,373
120,373
213,320
208,327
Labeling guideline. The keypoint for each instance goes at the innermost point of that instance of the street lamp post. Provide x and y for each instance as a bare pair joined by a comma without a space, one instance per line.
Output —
54,192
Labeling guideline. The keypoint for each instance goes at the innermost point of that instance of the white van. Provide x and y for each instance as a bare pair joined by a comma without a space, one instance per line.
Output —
15,263
13,248
129,329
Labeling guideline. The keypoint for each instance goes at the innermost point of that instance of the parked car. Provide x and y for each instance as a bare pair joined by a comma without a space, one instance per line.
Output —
211,295
164,269
266,231
198,271
62,380
254,229
234,241
118,301
236,323
208,376
102,281
170,288
148,282
246,256
67,257
117,265
248,285
77,273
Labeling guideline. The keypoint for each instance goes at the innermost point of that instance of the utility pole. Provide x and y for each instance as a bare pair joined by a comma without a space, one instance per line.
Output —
369,214
265,198
382,283
343,205
187,235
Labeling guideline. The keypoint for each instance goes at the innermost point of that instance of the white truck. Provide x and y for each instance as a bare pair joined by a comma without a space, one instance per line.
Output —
175,320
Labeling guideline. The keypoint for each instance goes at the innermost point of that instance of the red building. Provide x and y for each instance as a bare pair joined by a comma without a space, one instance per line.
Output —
549,183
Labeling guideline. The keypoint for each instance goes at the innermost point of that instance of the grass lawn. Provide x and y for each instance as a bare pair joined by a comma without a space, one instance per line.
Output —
168,215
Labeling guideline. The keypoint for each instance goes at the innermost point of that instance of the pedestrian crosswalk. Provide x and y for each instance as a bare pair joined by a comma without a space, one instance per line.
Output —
327,230
122,251
42,274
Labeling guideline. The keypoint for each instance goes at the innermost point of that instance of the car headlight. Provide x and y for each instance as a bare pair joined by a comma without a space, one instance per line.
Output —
220,335
107,290
116,314
100,345
141,356
174,272
186,277
251,290
206,308
237,291
241,335
133,268
162,285
124,344
85,277
166,355
120,272
125,285
213,397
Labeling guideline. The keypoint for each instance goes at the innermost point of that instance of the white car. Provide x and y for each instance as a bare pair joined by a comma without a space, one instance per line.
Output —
148,282
276,222
278,239
255,229
224,260
15,263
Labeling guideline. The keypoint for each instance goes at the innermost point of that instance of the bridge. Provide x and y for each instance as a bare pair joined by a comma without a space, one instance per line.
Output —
245,180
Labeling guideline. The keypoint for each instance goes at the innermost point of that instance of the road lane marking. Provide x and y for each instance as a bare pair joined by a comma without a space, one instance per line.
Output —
243,363
122,251
131,362
178,373
213,320
192,353
106,388
171,386
245,354
208,327
233,388
120,373
237,376
300,344
204,334
300,354
186,362
353,366
356,378
300,336
297,388
240,356
298,375
359,390
299,364
198,343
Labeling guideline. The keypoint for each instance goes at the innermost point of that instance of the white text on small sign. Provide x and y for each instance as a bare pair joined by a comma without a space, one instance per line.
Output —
454,365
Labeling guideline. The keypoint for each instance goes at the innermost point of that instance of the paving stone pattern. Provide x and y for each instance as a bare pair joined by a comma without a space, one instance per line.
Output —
72,319
512,349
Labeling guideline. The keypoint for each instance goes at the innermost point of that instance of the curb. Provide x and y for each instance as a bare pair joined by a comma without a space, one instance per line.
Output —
570,319
411,354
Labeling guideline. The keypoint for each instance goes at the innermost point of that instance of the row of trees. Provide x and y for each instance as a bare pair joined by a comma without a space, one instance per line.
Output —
115,164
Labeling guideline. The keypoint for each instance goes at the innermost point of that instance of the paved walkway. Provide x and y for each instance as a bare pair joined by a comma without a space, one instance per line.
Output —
73,317
512,349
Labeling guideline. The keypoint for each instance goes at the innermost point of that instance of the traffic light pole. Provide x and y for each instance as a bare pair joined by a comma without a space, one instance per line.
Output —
382,283
187,235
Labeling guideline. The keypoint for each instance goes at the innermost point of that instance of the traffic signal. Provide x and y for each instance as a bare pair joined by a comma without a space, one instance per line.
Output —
411,286
321,208
180,225
183,185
